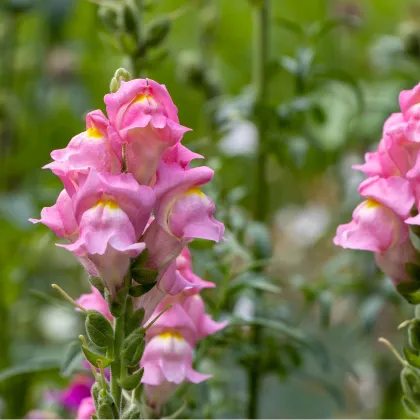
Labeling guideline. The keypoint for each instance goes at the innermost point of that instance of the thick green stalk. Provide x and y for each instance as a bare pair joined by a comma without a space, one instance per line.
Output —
116,364
260,60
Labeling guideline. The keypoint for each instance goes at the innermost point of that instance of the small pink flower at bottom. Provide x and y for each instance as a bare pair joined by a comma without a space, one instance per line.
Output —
168,357
86,409
374,228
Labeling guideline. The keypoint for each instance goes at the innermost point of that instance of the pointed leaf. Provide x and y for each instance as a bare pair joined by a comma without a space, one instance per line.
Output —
93,358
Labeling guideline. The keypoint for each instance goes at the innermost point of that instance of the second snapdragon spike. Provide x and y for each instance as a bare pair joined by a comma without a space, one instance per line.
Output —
382,223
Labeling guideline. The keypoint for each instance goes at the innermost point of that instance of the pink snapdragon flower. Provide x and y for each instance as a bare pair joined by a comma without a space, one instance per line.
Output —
185,269
146,119
86,409
95,301
378,223
76,392
181,209
111,211
98,147
60,218
168,355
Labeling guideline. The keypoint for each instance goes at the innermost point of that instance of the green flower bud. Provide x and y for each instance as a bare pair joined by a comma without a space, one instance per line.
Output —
99,329
133,347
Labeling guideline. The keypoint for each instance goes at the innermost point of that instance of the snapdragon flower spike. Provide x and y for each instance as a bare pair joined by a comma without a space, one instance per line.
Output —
86,409
111,211
146,119
98,147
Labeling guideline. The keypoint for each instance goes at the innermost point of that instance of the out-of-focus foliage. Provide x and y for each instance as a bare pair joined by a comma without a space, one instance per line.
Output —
335,72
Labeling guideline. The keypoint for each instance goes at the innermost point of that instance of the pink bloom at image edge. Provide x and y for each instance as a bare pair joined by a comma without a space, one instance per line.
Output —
381,223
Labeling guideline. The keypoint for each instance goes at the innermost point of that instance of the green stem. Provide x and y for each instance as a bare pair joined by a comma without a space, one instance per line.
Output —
260,60
116,368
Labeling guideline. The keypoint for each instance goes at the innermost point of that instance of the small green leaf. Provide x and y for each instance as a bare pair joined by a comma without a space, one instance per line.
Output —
99,329
137,291
133,347
157,31
411,357
93,358
144,275
289,25
133,381
135,321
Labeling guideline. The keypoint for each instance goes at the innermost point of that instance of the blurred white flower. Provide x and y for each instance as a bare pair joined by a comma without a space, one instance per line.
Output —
58,324
244,308
241,139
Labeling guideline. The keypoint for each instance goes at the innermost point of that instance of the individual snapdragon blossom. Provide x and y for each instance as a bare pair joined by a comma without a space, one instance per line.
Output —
381,223
130,204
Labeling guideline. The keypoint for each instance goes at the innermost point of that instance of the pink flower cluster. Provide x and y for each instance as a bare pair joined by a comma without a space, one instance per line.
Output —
392,195
128,186
170,341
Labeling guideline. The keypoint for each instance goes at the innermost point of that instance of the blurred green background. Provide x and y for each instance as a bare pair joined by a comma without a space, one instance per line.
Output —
337,68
